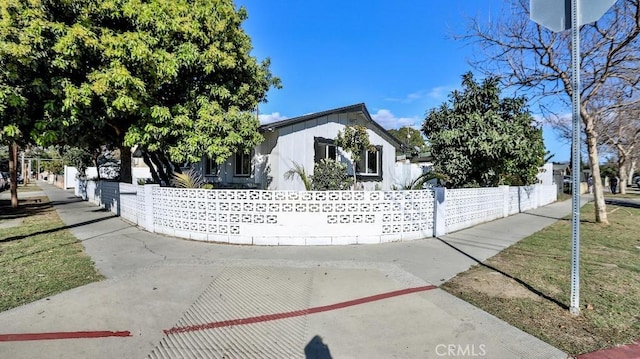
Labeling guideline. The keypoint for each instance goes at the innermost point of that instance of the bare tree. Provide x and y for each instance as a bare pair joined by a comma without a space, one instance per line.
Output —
532,58
620,132
618,136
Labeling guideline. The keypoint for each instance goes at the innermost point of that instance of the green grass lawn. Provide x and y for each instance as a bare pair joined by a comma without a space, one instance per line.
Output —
39,257
610,283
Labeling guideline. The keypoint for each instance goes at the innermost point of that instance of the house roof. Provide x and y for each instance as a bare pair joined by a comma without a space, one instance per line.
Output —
360,107
560,166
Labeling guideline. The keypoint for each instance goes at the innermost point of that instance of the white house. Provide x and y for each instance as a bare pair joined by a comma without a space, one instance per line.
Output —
306,140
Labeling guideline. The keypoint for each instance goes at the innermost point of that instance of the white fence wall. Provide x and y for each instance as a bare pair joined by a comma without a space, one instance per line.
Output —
467,207
262,217
293,217
70,174
129,201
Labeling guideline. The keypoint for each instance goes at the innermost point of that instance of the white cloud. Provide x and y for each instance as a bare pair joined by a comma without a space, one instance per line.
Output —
270,118
388,120
414,96
438,94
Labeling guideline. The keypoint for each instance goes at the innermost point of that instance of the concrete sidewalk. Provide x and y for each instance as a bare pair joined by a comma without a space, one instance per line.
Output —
186,299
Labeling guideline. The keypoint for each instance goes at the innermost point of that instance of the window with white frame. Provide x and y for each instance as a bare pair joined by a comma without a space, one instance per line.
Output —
324,148
242,164
370,163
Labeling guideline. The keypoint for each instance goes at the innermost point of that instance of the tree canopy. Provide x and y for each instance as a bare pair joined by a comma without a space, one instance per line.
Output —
530,57
478,138
175,77
26,42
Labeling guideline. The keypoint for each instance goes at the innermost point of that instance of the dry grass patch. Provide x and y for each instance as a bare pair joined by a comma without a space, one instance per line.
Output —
536,297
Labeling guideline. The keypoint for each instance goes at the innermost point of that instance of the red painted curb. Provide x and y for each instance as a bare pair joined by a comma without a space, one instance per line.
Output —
297,313
61,335
630,351
226,323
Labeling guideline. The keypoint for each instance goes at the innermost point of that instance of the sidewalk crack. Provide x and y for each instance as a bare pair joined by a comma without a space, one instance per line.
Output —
144,244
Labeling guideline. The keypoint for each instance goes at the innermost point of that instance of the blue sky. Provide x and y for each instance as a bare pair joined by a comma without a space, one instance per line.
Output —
397,57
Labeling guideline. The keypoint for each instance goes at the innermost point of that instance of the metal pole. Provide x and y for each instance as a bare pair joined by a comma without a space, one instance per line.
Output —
575,201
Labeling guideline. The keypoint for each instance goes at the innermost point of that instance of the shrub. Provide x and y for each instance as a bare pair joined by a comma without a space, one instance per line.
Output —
330,175
298,170
189,179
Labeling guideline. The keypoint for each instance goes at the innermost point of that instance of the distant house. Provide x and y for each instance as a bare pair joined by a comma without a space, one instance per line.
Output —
306,140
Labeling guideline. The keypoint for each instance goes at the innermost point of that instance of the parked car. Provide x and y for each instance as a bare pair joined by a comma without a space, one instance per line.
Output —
636,181
3,182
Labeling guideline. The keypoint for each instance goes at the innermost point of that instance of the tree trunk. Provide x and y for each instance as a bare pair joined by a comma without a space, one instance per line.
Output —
13,173
152,169
632,171
598,193
171,166
622,169
162,171
96,154
125,164
355,179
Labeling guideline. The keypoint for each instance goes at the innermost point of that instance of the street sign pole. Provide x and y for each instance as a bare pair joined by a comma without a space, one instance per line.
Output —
575,165
559,15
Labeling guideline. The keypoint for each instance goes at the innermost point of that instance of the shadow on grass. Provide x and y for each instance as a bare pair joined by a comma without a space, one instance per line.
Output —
566,218
11,259
523,283
621,202
52,230
26,207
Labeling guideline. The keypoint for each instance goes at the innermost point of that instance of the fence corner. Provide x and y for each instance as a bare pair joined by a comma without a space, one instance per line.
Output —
439,211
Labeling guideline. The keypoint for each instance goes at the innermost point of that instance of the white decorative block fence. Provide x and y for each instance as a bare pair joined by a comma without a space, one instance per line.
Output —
292,217
261,217
467,207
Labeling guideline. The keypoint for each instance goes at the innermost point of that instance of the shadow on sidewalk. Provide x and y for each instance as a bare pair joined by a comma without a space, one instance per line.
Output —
69,200
317,349
564,218
520,281
52,230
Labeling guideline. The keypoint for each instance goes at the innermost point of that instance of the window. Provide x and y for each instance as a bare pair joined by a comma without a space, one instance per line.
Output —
210,167
324,148
242,164
369,163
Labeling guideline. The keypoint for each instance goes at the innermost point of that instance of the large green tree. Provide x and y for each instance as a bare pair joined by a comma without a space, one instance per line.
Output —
173,76
480,139
26,40
530,57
